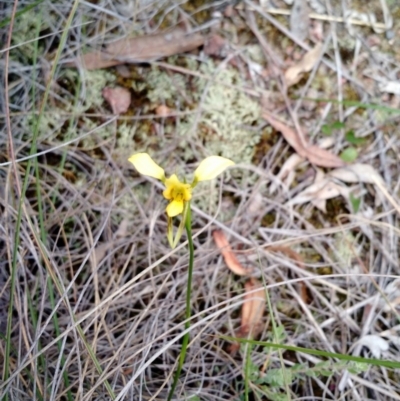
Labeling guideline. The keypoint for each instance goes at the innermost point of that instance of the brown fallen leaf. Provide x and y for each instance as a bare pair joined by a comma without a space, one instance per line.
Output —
119,99
252,309
323,158
230,259
141,49
315,154
251,314
94,61
295,72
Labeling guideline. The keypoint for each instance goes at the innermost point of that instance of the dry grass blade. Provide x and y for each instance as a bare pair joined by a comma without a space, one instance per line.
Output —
230,258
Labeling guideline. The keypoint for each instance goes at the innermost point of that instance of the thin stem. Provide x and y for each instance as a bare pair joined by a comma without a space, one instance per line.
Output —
185,340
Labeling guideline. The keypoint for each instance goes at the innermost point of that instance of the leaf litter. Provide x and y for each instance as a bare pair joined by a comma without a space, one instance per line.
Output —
126,296
254,296
315,154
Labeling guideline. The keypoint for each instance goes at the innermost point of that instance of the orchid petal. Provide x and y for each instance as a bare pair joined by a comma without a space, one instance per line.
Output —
174,208
211,167
145,165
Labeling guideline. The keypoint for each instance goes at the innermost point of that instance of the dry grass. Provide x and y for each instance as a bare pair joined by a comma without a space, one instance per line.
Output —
98,297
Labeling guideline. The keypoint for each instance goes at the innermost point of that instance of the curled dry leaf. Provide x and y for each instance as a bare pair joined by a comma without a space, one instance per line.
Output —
123,229
252,312
392,299
230,258
327,142
316,155
101,249
141,49
100,252
255,205
390,87
359,172
286,174
294,73
118,98
252,309
376,344
322,189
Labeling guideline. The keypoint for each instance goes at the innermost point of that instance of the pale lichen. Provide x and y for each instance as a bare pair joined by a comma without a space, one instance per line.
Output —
227,115
163,86
92,83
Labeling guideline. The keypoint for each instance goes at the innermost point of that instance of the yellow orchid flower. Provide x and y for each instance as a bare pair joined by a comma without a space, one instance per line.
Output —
177,192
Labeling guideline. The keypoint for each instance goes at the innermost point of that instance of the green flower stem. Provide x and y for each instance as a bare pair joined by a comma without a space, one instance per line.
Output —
185,341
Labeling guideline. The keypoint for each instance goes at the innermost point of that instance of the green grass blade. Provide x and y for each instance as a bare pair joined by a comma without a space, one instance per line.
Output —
327,354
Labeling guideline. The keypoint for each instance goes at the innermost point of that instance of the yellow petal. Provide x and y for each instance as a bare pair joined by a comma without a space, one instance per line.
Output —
174,208
145,165
210,167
